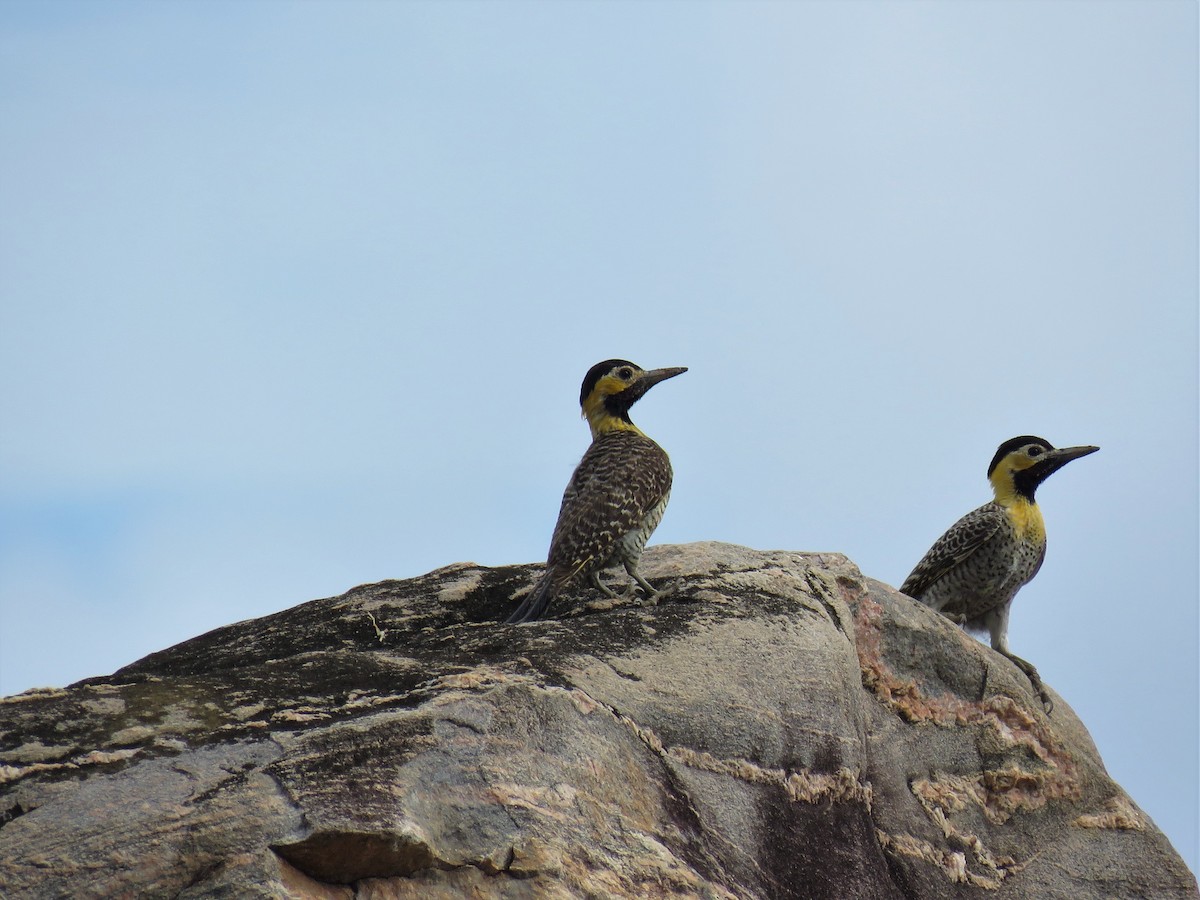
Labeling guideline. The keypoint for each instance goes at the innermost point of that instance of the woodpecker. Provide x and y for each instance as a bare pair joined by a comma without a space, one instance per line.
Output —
973,571
618,494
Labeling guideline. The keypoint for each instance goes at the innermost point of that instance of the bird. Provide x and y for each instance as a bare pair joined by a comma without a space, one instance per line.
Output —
617,495
972,572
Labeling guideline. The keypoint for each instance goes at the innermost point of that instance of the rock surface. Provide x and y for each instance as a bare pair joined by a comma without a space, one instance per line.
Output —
778,727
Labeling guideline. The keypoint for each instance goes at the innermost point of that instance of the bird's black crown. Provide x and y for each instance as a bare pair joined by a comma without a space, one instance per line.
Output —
598,371
1016,444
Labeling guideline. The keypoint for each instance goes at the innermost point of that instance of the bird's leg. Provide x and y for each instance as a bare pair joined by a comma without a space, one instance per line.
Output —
1034,679
997,623
652,596
594,578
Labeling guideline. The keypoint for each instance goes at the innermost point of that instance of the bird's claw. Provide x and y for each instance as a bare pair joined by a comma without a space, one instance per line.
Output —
652,598
1035,680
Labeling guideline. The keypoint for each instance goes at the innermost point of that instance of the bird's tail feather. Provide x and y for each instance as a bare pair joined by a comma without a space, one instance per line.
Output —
535,603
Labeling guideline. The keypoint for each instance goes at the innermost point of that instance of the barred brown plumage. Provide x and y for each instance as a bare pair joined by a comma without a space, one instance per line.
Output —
973,571
617,495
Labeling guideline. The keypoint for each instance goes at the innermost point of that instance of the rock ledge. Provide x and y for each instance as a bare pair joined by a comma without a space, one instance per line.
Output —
779,727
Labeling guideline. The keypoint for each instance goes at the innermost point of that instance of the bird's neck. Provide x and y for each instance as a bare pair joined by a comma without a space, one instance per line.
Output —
601,420
1021,508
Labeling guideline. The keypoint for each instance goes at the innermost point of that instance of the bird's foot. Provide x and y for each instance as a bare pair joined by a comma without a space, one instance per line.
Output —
652,596
1035,680
649,595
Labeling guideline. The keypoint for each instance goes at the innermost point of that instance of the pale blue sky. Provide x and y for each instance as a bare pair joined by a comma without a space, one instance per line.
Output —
297,296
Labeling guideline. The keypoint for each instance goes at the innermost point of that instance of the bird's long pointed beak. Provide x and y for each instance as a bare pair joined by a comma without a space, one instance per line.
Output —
650,379
1053,460
1069,453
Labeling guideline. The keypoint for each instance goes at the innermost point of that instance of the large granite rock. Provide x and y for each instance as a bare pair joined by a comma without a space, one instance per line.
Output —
779,726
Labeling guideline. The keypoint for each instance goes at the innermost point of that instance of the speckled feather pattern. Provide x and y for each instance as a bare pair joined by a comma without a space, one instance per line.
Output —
976,566
619,490
612,504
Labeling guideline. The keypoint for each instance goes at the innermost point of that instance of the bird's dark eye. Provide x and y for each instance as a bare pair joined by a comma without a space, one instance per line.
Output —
1034,451
625,373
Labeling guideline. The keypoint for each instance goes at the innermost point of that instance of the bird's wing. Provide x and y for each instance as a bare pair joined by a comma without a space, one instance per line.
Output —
963,538
620,479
